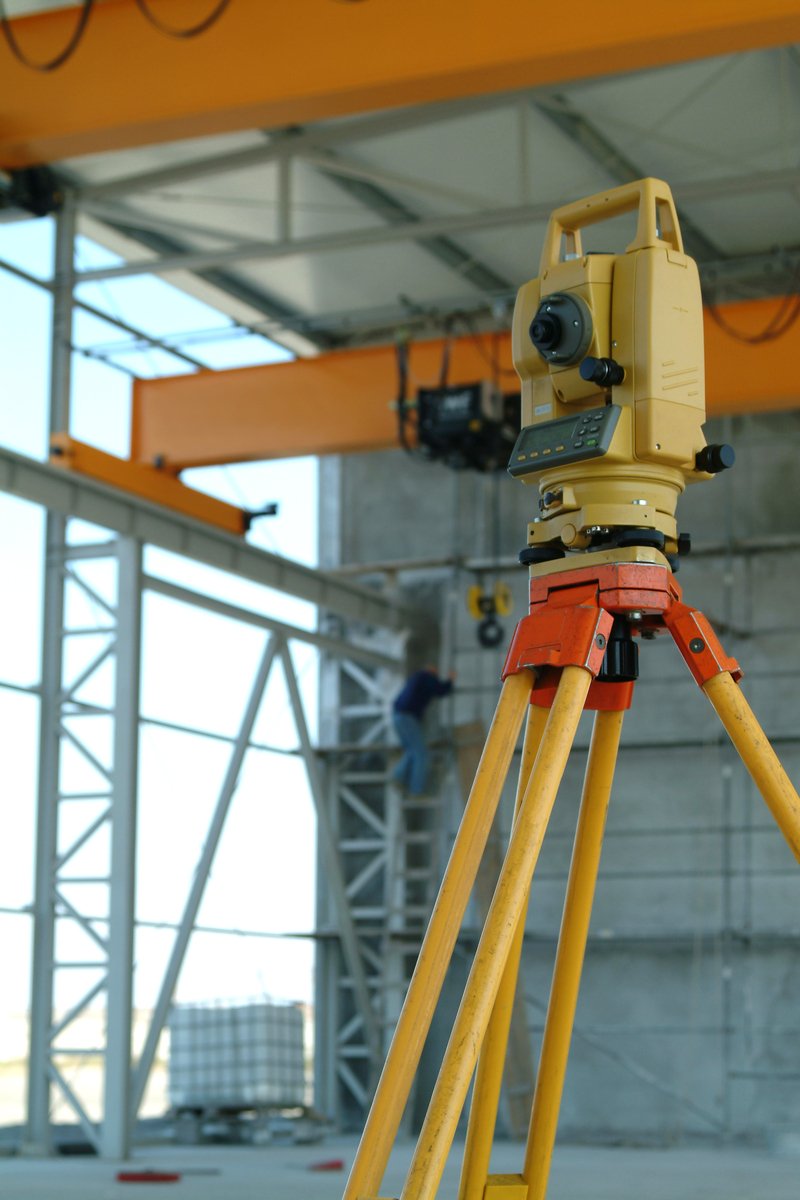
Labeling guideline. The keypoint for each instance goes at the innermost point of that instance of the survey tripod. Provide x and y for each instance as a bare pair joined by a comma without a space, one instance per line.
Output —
601,578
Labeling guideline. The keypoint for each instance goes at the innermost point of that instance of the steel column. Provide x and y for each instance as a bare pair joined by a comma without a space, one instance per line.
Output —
117,1115
38,1106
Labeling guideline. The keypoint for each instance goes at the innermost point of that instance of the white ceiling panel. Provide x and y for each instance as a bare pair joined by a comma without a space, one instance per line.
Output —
749,224
704,120
358,278
97,168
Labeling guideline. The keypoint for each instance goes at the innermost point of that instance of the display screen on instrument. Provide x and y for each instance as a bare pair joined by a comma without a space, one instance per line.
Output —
567,440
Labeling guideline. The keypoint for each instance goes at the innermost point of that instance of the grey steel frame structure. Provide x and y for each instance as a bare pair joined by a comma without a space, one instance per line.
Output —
362,804
105,963
390,853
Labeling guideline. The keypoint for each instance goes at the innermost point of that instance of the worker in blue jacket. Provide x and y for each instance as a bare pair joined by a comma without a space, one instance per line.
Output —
409,708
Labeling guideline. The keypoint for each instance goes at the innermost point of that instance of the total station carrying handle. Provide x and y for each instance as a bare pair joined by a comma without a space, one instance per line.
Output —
657,224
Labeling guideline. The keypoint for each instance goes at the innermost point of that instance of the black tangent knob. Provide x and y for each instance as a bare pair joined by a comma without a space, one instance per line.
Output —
605,372
714,459
545,331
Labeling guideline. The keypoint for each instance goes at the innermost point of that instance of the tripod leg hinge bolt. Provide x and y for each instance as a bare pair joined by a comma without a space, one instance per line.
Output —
600,640
697,645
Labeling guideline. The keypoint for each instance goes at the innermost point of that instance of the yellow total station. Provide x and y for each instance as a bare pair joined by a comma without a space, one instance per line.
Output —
609,349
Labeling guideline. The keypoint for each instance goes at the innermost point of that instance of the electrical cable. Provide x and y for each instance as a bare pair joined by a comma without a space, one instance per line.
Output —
444,370
51,64
403,404
487,355
779,324
191,30
401,355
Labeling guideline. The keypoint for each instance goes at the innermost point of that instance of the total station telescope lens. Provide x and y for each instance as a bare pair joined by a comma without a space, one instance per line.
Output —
545,332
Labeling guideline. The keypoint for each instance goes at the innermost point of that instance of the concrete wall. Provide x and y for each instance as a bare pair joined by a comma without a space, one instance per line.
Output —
689,1019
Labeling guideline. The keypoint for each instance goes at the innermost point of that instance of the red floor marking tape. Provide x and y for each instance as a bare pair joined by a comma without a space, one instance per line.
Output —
328,1164
148,1176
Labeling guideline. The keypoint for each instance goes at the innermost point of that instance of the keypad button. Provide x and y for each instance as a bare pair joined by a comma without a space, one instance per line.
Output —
578,444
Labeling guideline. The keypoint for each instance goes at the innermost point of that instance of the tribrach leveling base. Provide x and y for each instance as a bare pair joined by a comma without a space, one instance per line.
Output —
608,496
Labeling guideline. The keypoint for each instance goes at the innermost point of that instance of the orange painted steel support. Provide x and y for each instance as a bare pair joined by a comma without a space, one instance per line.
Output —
282,64
151,484
334,404
570,618
343,401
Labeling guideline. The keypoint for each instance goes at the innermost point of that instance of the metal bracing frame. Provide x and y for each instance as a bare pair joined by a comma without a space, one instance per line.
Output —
276,649
112,805
430,227
358,799
71,494
102,956
108,958
94,940
310,139
156,236
356,183
388,851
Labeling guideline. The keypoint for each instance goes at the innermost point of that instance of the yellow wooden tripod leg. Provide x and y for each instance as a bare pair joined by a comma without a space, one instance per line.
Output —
757,755
489,1075
571,949
414,1022
448,1098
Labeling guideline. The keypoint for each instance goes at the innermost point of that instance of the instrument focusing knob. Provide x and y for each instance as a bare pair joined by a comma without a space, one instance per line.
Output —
605,372
714,459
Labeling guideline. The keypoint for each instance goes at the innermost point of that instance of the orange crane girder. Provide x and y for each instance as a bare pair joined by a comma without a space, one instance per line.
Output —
265,65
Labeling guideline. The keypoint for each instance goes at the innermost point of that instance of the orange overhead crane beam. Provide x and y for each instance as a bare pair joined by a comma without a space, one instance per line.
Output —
160,487
267,64
334,404
344,401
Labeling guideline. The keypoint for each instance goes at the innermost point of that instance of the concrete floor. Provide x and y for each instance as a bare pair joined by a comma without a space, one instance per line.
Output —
283,1173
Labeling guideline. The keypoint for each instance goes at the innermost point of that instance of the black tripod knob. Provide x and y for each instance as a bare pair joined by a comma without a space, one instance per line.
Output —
621,662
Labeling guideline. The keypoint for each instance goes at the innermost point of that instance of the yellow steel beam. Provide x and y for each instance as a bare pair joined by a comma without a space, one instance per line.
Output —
344,401
151,484
275,64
